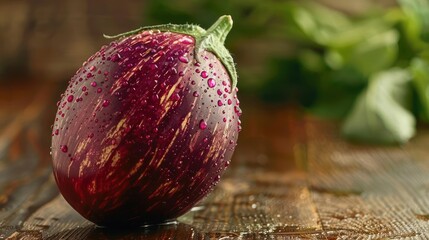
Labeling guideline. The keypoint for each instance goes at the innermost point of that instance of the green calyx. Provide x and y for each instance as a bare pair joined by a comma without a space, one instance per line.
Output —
211,40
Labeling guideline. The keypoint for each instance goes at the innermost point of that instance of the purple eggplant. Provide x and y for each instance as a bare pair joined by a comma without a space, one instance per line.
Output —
147,125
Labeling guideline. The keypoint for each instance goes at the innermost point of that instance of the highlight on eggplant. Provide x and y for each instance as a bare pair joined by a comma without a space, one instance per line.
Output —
147,125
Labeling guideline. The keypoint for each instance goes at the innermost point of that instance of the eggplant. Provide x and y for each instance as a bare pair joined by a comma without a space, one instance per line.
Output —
147,125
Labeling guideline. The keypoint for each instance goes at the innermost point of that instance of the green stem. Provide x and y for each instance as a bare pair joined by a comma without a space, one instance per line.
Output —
221,28
211,40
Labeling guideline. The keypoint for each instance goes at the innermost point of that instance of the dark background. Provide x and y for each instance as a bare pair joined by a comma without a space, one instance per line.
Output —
49,40
317,55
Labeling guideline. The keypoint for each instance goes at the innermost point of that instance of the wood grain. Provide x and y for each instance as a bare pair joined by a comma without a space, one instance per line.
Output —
292,177
366,191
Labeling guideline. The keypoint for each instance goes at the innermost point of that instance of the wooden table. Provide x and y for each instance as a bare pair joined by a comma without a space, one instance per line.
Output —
292,177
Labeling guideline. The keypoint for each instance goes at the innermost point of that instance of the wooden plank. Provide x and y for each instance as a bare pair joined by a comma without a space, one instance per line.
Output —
258,198
249,208
259,204
24,159
291,178
366,192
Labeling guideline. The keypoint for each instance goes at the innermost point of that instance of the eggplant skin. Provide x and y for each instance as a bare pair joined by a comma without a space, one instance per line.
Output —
144,131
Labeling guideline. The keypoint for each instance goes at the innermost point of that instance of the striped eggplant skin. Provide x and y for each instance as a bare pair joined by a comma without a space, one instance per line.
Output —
144,131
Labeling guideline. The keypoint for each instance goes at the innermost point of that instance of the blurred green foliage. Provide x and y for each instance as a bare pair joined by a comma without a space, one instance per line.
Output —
370,69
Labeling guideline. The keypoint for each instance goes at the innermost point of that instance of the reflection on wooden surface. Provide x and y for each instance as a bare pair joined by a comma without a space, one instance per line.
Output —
292,177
